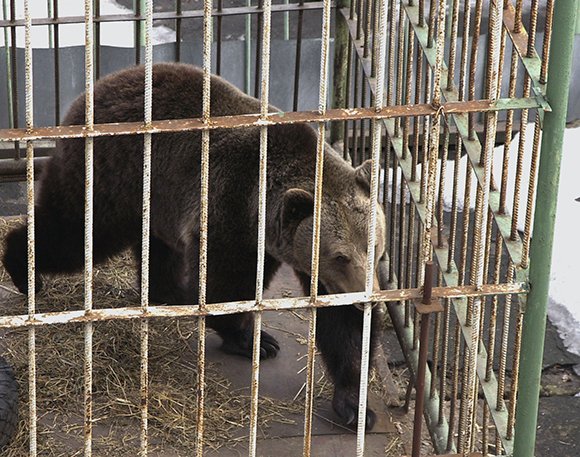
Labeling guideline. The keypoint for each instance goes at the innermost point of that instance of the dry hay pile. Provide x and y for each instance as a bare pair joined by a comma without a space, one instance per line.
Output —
116,369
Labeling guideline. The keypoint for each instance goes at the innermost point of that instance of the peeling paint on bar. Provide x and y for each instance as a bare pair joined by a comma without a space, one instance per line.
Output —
257,120
170,311
88,228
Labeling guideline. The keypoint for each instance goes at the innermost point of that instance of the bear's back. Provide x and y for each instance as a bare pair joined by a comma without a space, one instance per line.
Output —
177,94
176,164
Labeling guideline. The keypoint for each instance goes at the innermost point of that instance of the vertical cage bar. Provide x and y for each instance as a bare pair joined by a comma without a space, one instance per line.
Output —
531,191
146,225
8,49
137,6
178,10
547,40
14,75
320,146
481,216
203,224
473,61
264,100
259,27
340,87
502,364
88,240
426,248
218,57
541,246
380,62
97,39
56,57
248,50
30,232
430,162
298,57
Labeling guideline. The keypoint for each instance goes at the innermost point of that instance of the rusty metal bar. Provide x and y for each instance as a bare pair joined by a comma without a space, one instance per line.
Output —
56,54
203,225
508,136
8,62
547,40
138,30
531,191
30,231
264,99
433,150
97,41
256,120
218,309
218,34
259,20
380,62
318,192
88,240
520,39
298,58
505,332
13,71
178,20
426,308
473,61
481,216
146,226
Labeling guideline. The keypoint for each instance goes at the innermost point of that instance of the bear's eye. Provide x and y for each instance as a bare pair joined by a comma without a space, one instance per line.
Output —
342,259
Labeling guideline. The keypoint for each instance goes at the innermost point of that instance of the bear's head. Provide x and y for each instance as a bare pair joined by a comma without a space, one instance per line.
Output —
343,231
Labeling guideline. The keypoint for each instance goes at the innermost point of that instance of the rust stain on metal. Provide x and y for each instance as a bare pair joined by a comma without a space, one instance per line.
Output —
519,37
169,311
248,120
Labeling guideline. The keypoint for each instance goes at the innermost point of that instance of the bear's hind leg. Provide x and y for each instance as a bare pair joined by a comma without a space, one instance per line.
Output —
168,280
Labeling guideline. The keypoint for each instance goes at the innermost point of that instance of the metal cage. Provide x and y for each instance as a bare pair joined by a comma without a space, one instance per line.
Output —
431,91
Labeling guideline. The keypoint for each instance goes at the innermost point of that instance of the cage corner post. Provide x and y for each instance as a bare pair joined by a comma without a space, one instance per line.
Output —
543,233
339,84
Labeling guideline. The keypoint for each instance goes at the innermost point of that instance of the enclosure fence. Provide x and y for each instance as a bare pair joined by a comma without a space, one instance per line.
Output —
442,96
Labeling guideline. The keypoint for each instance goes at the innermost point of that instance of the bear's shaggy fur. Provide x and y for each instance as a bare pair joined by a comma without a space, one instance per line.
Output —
233,213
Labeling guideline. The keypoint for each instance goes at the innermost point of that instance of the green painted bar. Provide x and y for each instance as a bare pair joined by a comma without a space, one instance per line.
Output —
541,248
578,20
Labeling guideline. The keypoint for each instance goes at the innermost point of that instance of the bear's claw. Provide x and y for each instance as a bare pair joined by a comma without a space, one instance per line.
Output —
345,404
269,346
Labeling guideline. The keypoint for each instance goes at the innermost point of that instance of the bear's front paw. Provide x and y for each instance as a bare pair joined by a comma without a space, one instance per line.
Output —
345,404
243,345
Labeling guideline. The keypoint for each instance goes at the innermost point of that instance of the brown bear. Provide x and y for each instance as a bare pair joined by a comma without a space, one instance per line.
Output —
233,213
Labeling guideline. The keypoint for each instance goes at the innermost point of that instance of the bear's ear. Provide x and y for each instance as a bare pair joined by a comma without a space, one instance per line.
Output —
362,174
298,204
